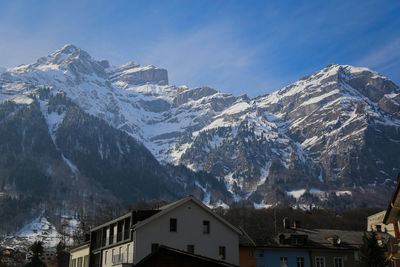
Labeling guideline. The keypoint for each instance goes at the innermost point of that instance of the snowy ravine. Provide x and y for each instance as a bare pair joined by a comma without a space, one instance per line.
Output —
329,131
40,229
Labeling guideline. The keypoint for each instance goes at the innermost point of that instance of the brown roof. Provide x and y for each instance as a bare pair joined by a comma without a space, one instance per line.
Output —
392,214
322,239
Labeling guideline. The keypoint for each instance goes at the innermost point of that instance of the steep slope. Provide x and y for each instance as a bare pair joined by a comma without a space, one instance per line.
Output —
58,159
330,136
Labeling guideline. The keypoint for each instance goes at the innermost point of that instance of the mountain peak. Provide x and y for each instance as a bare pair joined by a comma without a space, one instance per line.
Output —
68,49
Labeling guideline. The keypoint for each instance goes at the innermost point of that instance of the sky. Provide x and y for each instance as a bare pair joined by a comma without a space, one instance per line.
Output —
238,47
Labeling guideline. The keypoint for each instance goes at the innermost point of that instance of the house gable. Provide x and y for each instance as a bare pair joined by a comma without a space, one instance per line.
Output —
190,230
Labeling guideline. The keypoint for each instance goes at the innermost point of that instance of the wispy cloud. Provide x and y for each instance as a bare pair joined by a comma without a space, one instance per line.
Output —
213,53
383,57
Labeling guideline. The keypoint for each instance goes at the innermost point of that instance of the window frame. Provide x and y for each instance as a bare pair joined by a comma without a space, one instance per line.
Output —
341,261
251,253
284,261
127,252
222,252
300,262
206,227
173,225
190,248
318,264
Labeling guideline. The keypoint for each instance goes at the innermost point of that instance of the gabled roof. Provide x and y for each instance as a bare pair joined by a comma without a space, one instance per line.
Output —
183,255
137,215
394,205
171,206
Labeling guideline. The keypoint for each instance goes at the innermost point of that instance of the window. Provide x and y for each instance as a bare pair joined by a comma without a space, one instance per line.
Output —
261,254
379,228
173,225
80,261
112,256
86,261
319,262
74,263
284,262
190,249
120,254
300,262
127,252
222,253
338,262
105,257
206,227
251,253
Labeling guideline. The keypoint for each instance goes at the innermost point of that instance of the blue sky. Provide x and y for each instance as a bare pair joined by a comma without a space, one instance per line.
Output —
252,47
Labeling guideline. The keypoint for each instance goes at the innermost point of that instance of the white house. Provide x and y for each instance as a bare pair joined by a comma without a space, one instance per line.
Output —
186,224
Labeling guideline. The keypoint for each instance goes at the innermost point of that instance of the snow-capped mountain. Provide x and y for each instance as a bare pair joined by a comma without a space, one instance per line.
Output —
334,131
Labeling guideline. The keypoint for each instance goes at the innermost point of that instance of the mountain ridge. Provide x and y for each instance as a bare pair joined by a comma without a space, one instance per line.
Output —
333,131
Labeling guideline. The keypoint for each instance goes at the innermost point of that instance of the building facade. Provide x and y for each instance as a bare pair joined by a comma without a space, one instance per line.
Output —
186,225
282,257
79,256
375,223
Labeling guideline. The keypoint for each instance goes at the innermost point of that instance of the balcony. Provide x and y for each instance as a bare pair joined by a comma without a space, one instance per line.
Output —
119,259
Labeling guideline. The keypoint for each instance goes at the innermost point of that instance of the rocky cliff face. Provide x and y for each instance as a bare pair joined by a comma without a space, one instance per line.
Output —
329,139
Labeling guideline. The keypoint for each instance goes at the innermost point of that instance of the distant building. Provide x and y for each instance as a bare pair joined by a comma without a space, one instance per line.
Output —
375,223
185,225
392,217
311,248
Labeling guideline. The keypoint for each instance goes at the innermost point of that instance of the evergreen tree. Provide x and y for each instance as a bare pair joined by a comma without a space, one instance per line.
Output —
37,250
371,254
62,255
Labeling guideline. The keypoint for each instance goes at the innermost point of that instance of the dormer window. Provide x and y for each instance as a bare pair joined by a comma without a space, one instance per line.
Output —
173,225
206,227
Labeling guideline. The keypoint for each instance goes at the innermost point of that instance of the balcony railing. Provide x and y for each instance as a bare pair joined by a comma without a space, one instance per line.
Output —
119,258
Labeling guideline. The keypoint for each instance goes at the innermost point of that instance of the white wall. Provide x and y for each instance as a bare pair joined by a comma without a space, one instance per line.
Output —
80,253
190,232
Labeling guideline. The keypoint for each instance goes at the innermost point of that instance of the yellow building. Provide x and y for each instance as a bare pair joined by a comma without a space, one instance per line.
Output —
79,256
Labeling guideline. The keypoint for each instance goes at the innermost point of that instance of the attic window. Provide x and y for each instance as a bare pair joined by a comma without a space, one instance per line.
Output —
173,225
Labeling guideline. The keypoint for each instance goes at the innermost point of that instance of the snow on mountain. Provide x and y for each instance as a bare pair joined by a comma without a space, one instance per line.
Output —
324,130
40,229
